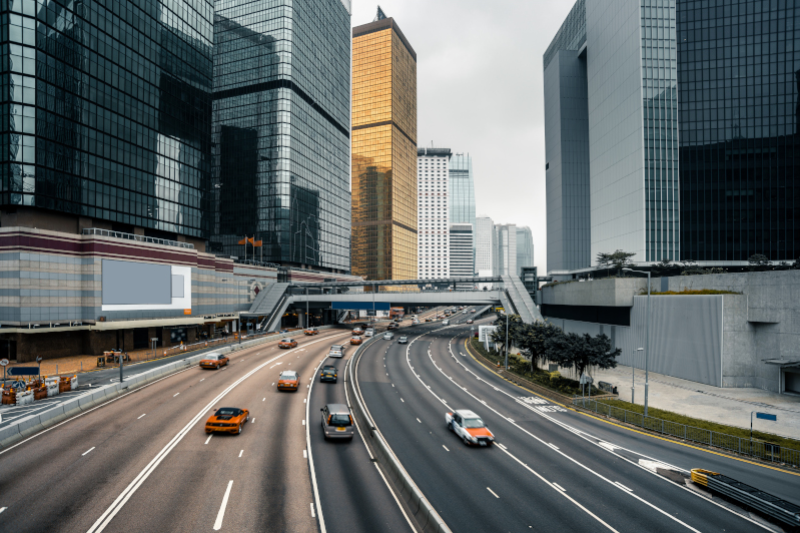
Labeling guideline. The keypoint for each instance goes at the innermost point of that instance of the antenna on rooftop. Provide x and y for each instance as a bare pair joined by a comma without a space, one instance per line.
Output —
381,15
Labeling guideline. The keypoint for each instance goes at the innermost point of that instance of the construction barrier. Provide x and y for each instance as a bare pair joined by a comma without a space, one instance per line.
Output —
24,397
52,387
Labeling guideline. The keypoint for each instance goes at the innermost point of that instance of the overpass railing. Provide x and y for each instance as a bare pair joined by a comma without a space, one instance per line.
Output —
766,451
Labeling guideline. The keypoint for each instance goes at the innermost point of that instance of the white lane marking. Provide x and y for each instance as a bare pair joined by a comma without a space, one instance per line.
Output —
242,360
445,447
493,493
402,400
208,439
264,400
304,400
312,510
126,494
221,513
87,451
175,394
552,445
141,417
304,422
240,453
559,487
314,485
305,454
253,421
202,380
3,509
623,487
392,384
273,386
418,420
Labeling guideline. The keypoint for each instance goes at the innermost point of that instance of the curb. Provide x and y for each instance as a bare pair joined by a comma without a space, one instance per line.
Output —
27,426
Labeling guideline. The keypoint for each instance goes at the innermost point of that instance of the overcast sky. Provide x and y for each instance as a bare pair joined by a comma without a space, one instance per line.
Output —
479,90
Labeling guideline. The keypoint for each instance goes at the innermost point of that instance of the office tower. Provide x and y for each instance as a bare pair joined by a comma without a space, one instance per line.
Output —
693,156
281,132
505,255
107,117
433,209
524,248
738,85
484,247
462,263
462,190
384,178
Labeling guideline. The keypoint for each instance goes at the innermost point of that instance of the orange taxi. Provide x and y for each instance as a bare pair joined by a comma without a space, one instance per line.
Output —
287,343
355,340
288,380
227,420
214,360
358,331
311,331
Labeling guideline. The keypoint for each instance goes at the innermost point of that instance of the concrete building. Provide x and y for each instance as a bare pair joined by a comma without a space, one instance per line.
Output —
384,148
484,246
746,337
461,252
524,248
632,166
433,208
505,249
282,177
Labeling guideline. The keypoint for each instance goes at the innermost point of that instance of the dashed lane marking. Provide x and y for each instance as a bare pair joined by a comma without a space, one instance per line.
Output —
87,451
208,439
240,453
493,493
445,447
221,513
141,417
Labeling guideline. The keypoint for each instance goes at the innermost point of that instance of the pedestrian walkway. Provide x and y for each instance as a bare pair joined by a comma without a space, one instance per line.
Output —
730,406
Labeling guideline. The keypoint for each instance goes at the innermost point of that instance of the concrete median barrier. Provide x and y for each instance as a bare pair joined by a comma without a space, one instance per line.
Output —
424,514
8,436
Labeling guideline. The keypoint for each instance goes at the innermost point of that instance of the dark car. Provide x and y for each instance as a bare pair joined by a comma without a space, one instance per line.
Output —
328,373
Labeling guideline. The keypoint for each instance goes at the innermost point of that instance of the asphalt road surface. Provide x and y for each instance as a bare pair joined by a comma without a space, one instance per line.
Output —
553,469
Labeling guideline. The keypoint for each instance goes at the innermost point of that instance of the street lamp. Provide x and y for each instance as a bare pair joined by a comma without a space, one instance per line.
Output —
508,319
633,376
646,336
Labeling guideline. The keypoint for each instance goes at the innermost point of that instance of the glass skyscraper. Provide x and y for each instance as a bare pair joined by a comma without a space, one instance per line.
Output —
739,79
462,190
281,106
524,248
384,170
106,113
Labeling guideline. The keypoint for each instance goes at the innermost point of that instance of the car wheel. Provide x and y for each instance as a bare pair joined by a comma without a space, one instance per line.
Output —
240,429
450,426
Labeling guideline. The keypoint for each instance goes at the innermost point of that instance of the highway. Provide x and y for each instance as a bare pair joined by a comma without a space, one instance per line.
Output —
554,468
144,463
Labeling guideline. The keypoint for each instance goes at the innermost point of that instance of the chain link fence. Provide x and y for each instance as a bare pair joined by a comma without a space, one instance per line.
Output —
762,450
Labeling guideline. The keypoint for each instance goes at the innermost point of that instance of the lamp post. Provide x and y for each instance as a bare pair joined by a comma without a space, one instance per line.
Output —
646,336
633,375
508,319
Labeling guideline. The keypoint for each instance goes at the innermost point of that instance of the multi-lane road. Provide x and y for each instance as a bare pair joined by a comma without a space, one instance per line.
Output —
143,462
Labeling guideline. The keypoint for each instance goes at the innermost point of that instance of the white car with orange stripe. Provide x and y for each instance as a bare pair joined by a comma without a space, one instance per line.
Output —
469,427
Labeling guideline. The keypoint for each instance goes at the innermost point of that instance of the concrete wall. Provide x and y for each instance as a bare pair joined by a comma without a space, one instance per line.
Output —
613,292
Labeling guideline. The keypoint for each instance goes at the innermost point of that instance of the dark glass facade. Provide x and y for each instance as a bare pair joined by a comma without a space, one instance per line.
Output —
738,83
105,110
280,134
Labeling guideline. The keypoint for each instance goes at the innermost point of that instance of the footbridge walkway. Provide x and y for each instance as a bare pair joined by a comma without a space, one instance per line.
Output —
506,291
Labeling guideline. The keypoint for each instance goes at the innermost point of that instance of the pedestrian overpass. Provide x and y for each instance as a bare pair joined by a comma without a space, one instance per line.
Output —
506,291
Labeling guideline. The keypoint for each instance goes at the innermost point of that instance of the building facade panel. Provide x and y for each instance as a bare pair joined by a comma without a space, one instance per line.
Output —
433,192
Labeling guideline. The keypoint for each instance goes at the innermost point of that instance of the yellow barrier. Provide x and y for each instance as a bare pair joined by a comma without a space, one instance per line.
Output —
699,476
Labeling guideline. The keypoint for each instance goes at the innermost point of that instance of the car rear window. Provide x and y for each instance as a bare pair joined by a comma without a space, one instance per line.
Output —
288,375
228,411
340,420
286,340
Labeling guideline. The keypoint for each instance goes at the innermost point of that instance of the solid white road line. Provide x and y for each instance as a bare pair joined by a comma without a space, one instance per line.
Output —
445,447
502,446
141,417
559,487
624,487
240,453
208,439
314,485
552,445
175,394
493,493
87,451
221,513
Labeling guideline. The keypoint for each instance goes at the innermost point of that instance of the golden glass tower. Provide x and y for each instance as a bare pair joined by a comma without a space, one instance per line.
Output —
384,136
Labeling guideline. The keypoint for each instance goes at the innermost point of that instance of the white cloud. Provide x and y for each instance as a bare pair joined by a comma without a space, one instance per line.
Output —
479,90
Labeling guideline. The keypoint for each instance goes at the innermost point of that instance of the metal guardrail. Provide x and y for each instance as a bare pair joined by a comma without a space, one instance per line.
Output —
765,503
133,237
765,451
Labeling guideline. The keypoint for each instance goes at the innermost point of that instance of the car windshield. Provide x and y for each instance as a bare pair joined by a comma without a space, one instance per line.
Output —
286,340
473,423
288,375
340,420
228,411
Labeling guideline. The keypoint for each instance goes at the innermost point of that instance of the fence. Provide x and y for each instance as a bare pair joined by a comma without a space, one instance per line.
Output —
762,450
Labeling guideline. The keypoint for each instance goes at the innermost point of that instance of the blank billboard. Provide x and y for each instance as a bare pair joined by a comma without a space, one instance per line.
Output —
127,283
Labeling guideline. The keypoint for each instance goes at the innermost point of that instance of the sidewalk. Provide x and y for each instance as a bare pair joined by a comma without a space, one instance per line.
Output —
724,406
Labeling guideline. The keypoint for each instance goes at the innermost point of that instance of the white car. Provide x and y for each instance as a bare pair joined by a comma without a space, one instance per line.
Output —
445,322
388,336
469,427
369,333
337,350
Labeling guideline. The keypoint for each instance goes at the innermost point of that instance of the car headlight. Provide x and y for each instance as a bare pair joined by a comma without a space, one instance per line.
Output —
473,439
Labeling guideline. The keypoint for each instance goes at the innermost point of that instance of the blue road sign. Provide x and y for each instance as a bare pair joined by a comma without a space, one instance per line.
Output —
767,416
23,371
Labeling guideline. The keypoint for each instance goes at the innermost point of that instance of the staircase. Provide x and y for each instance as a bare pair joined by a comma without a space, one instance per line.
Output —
266,303
521,301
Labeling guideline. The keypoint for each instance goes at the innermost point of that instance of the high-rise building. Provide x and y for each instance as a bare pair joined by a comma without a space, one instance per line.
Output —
484,247
462,263
505,255
524,248
384,176
107,116
281,132
691,157
462,190
433,190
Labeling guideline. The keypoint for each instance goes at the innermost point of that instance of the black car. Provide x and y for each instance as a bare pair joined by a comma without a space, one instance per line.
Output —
328,373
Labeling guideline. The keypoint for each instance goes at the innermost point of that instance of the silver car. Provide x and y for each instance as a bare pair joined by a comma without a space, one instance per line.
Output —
337,423
388,336
402,340
337,350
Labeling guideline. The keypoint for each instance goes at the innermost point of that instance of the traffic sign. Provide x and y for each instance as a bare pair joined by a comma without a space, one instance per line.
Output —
767,416
23,371
38,358
3,362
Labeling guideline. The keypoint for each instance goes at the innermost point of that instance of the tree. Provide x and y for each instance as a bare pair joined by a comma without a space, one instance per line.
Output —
618,260
514,326
758,261
532,339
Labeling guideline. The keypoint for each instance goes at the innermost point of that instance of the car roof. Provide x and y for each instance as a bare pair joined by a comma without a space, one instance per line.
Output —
329,366
338,408
466,413
288,372
286,340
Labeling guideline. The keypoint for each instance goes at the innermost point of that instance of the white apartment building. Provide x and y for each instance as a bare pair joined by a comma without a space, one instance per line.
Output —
433,213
